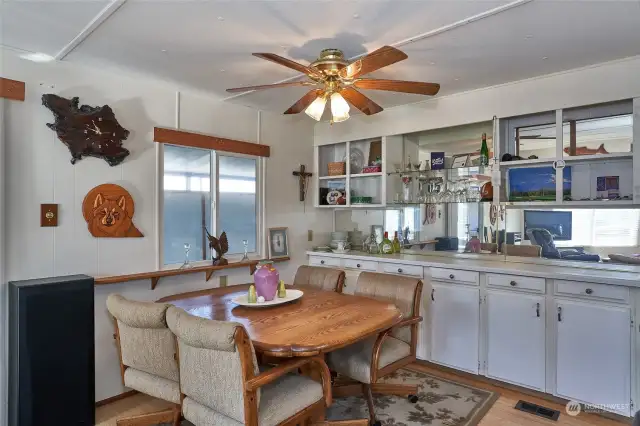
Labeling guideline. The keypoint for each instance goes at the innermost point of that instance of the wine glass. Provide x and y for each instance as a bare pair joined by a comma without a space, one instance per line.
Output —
186,264
245,243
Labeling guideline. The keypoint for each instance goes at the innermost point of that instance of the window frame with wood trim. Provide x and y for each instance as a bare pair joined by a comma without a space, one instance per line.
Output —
213,217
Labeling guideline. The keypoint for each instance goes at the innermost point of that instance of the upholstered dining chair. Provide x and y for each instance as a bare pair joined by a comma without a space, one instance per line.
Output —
221,384
147,353
369,360
319,277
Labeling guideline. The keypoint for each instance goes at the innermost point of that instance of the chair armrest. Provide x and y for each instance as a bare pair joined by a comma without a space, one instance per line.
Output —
377,346
288,366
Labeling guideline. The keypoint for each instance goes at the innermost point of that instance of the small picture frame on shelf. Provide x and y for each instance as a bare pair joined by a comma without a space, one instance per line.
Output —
473,160
459,160
278,240
437,160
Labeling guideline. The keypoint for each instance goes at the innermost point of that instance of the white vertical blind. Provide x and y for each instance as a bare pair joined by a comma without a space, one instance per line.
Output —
603,228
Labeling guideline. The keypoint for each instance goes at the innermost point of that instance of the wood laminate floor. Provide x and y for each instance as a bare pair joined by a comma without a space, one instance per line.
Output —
501,413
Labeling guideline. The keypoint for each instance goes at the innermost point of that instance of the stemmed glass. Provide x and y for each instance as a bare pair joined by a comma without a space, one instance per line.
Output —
245,243
186,264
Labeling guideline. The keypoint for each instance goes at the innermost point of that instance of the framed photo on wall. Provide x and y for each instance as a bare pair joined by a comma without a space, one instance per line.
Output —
278,243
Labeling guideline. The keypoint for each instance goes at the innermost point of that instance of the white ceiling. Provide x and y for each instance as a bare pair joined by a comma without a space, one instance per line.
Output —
208,45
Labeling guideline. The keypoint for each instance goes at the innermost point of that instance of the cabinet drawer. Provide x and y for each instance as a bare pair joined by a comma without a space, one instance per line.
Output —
516,282
397,268
467,277
323,261
363,265
592,291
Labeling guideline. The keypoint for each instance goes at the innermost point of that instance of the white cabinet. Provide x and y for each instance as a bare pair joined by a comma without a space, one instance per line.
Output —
455,322
593,362
516,338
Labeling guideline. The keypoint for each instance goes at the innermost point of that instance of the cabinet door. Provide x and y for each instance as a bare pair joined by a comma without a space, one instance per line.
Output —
516,338
455,321
350,280
593,353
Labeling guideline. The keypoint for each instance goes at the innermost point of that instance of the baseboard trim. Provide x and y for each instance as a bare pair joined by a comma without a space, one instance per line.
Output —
115,398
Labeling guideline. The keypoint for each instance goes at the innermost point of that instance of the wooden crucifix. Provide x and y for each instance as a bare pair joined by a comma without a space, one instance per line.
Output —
302,176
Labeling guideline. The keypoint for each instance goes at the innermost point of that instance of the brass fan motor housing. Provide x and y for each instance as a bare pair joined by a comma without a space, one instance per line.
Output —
330,62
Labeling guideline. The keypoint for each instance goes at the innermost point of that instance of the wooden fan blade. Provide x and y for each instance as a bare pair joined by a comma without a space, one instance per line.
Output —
375,60
289,64
360,101
304,101
398,86
270,86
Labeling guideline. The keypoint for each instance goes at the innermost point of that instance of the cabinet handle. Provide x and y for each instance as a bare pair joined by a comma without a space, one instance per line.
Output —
322,262
513,283
451,276
399,270
559,313
588,291
358,265
538,310
432,291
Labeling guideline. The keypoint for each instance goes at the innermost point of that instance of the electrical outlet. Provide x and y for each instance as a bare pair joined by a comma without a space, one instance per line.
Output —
223,280
310,235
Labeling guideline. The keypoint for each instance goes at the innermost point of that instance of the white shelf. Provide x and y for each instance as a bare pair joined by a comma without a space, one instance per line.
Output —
332,177
568,160
364,175
587,204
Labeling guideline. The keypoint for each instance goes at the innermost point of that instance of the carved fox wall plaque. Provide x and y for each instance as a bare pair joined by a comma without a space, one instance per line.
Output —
108,210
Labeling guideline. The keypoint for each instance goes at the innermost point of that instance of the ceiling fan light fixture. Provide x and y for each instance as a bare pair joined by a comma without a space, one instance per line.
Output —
339,108
316,108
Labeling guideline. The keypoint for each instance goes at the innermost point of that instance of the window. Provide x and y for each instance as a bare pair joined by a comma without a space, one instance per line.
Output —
203,188
603,228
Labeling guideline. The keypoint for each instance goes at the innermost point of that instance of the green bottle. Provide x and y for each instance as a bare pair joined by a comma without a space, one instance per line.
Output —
282,291
396,243
386,246
252,296
484,151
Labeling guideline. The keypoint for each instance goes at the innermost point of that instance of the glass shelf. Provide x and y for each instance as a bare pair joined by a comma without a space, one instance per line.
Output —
479,169
391,204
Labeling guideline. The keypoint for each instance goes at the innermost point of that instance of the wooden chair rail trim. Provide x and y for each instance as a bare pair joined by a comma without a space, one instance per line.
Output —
12,89
155,276
198,140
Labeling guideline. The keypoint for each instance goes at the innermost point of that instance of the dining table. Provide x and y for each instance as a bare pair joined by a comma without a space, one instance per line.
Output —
318,322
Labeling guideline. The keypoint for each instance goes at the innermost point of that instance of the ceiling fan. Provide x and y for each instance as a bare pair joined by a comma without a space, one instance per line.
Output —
336,79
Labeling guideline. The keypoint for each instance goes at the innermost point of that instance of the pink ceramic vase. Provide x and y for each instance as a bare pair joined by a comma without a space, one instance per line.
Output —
266,279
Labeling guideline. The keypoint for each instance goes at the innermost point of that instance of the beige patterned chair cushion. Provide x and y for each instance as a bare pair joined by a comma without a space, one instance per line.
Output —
354,361
280,400
155,386
210,365
318,277
146,344
398,290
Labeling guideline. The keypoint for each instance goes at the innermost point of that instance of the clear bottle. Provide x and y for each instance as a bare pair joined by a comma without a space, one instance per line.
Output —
396,243
386,246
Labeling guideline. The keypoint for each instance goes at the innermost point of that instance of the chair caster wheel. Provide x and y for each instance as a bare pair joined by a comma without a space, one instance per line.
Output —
413,399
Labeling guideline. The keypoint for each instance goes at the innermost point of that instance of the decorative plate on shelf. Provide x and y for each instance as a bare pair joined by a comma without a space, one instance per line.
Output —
292,295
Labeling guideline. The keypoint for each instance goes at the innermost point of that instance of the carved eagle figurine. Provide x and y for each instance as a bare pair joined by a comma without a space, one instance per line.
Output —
220,246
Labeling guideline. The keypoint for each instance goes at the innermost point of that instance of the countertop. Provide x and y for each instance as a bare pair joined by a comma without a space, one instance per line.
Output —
615,274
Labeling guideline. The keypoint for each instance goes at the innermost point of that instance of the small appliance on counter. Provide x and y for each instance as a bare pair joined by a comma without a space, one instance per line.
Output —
446,244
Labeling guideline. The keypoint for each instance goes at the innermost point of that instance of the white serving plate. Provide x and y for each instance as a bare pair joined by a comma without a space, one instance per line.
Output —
291,296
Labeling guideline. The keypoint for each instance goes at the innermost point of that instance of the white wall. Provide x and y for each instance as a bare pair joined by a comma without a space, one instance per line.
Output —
599,83
38,171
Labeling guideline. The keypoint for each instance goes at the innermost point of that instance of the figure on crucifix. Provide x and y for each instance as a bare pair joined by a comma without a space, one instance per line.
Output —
303,178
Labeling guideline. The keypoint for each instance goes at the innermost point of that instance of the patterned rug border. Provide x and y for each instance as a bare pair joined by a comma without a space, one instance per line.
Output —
478,412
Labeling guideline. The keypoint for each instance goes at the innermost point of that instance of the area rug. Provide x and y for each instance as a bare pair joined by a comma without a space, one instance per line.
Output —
441,402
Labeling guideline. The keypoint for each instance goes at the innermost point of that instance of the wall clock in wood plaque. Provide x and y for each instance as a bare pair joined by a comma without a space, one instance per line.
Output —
86,130
108,210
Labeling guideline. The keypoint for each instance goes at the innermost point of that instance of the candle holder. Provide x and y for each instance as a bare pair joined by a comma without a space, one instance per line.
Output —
186,264
245,243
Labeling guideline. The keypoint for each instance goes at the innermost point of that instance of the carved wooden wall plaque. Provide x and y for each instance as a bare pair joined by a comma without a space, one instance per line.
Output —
86,130
108,210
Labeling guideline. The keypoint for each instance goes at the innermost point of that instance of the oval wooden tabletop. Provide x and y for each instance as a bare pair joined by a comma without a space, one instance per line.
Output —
319,322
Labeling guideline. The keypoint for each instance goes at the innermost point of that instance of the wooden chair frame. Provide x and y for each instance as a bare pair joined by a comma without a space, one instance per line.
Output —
171,415
251,383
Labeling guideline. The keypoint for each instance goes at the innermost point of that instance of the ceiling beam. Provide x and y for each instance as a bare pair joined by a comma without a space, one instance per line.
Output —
418,37
12,89
198,140
98,20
